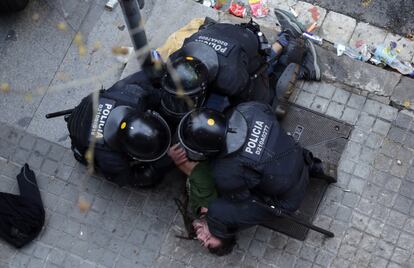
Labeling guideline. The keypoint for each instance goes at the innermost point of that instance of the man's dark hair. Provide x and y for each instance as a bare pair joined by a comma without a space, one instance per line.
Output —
227,245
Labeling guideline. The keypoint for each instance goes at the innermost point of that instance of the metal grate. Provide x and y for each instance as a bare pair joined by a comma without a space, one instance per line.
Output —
326,138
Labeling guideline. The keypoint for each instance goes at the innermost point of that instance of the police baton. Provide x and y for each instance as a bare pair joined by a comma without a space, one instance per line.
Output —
294,219
60,113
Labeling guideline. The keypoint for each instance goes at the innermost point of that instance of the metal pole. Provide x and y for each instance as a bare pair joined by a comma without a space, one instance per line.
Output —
134,22
296,220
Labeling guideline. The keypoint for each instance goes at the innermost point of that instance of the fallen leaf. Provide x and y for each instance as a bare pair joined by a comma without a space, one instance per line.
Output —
78,40
62,26
82,50
28,97
407,104
120,50
35,17
5,87
96,46
366,3
410,36
83,204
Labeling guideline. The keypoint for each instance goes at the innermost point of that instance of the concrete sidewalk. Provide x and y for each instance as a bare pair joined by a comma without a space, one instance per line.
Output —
370,209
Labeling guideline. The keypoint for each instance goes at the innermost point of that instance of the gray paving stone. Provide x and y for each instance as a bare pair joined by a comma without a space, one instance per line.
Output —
359,75
305,99
350,115
286,260
381,213
356,101
388,113
293,246
378,262
356,185
27,142
365,121
386,198
400,255
403,94
368,243
42,146
341,96
362,258
397,134
390,233
257,248
374,141
20,156
343,214
337,28
406,241
381,127
335,110
301,263
372,107
325,90
397,219
367,34
407,189
402,204
374,227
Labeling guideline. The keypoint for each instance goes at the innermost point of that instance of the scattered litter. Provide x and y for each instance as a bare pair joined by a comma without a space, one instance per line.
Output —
293,11
314,38
209,3
238,9
361,54
220,4
121,27
312,27
388,54
347,190
81,233
259,8
111,4
315,13
407,104
399,162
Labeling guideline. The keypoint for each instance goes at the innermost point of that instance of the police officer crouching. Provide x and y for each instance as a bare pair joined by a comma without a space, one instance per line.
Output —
128,137
252,160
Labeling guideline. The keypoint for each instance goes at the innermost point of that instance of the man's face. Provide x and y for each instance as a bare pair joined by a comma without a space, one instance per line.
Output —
207,239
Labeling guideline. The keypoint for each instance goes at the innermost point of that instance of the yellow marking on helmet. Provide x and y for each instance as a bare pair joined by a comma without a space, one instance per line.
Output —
189,58
210,122
123,125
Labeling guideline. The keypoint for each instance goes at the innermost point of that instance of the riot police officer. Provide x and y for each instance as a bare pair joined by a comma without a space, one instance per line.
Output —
127,139
252,160
241,65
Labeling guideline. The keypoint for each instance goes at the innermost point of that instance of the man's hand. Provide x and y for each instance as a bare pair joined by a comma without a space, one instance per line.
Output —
179,156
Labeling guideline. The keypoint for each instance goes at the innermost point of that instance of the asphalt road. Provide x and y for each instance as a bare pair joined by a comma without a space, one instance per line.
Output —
396,15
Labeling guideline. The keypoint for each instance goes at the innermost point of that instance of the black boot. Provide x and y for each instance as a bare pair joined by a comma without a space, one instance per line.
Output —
284,88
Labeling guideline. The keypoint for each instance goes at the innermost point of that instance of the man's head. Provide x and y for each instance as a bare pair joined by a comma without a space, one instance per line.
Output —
207,133
217,246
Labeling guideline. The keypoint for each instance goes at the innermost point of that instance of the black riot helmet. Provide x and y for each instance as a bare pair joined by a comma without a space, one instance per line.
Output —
204,133
184,86
145,136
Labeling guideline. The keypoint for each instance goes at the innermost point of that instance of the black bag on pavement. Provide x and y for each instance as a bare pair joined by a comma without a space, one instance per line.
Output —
22,216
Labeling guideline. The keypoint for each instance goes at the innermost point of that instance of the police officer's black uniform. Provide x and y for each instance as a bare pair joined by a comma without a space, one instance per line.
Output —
237,60
136,92
258,161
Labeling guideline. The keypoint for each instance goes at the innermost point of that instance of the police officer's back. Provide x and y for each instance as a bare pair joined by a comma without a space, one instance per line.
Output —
128,136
